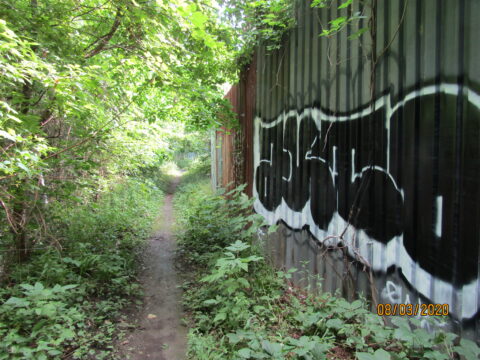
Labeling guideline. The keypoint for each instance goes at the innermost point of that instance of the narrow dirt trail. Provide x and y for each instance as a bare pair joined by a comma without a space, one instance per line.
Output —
159,334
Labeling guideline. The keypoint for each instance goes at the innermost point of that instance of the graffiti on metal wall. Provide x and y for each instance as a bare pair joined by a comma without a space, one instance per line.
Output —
369,172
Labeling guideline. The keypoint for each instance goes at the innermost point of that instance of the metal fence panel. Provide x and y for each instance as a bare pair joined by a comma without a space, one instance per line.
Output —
381,167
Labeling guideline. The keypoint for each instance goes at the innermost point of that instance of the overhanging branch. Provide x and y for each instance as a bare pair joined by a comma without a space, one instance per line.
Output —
103,41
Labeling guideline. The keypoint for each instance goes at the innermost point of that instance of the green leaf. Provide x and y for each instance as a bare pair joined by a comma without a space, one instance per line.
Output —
319,3
335,323
23,167
468,349
364,356
346,4
17,302
338,22
358,33
273,349
237,246
243,282
244,353
220,317
8,136
403,330
68,334
198,19
49,310
379,354
435,355
210,302
234,338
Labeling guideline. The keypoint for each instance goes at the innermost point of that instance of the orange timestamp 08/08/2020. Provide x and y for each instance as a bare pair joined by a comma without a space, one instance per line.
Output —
412,309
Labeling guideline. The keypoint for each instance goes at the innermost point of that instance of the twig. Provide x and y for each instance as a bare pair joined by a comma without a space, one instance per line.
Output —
10,221
326,136
394,35
103,40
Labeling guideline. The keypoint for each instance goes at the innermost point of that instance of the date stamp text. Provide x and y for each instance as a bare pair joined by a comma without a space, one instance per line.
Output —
412,309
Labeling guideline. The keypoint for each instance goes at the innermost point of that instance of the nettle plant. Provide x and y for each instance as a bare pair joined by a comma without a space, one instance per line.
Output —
229,279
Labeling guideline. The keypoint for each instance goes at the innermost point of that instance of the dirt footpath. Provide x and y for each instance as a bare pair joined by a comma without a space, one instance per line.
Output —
159,335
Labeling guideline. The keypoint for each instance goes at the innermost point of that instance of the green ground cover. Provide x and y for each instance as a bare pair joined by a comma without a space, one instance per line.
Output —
64,301
240,307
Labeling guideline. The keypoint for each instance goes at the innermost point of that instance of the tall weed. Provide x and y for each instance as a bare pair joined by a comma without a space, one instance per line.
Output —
208,222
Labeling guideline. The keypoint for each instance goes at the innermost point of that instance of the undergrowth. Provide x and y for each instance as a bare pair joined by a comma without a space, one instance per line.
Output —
239,307
63,302
198,172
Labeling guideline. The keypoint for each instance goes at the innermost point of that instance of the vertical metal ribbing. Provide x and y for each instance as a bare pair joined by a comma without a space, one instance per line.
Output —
457,242
274,101
261,108
294,60
415,135
358,102
436,132
306,88
472,58
398,119
384,142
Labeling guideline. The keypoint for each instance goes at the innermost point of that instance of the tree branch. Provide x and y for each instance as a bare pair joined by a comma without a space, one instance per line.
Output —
103,41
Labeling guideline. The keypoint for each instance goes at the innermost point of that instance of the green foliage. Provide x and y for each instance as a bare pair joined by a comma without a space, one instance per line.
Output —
41,316
240,308
92,97
267,22
227,279
63,301
198,171
348,17
93,89
209,222
190,147
259,21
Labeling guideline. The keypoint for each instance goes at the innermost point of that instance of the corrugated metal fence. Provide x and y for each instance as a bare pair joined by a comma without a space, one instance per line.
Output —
367,151
232,147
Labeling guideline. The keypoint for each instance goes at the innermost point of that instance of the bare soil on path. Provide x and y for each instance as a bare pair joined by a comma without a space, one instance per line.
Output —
158,334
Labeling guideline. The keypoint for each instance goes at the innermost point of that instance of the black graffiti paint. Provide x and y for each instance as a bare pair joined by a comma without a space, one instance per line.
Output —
378,171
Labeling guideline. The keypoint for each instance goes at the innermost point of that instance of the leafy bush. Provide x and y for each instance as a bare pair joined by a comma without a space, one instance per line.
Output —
65,298
41,316
240,308
209,222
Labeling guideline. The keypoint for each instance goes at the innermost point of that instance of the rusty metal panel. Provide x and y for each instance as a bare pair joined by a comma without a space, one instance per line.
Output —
224,154
381,168
234,159
213,159
248,95
225,145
